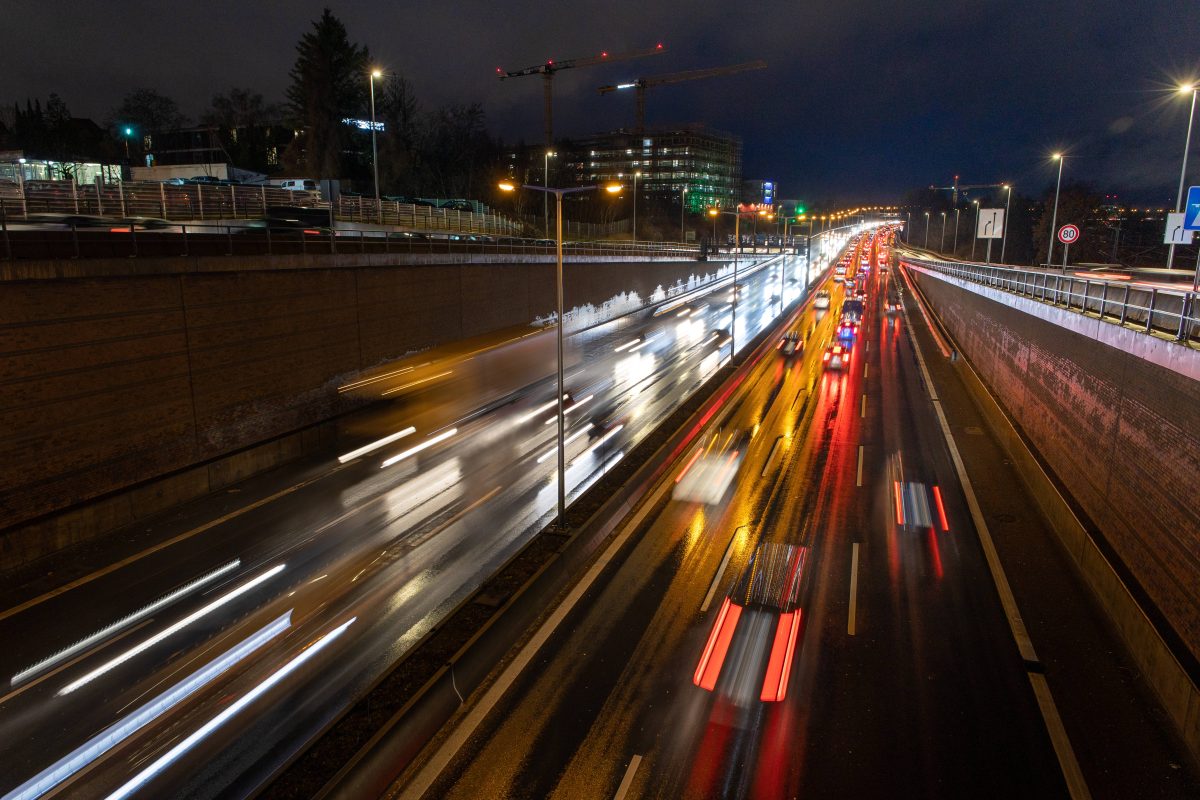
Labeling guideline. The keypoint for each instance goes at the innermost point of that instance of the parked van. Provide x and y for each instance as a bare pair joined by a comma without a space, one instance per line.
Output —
298,184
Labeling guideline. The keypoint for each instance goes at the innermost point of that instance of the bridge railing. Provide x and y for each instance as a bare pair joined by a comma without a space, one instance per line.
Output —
1173,312
116,238
200,202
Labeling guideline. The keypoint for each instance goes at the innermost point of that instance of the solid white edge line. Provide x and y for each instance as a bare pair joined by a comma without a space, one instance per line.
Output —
438,762
1061,742
850,621
627,781
716,581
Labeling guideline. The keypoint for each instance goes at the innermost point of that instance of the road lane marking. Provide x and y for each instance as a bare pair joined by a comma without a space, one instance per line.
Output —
865,368
771,456
850,625
860,457
463,731
864,406
716,581
627,781
1072,775
100,573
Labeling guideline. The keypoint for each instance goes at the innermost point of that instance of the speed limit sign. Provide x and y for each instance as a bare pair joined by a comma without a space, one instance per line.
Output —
1068,234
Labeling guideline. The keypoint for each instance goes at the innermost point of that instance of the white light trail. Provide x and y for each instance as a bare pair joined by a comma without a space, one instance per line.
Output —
124,622
165,760
573,406
121,730
441,437
537,412
566,441
224,599
625,346
375,445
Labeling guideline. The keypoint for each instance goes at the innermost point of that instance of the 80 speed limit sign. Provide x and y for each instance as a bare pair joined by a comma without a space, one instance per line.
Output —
1068,234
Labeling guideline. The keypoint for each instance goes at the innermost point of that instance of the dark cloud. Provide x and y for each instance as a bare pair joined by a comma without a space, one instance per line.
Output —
862,100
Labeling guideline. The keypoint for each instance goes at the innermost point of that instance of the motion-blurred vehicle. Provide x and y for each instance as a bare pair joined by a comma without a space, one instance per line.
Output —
791,343
852,308
836,357
847,328
750,652
892,309
821,300
62,222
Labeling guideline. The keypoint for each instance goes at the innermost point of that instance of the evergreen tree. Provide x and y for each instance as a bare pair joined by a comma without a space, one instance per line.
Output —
329,84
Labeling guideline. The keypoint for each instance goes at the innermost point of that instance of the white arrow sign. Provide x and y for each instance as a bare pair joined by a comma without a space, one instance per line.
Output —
1175,232
991,223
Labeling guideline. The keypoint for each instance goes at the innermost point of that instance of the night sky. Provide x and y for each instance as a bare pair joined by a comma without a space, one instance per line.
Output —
862,101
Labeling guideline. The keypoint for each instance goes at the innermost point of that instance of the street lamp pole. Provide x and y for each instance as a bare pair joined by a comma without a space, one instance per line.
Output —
558,276
682,209
1183,170
546,195
975,235
636,175
956,213
375,147
926,230
1007,210
942,240
1054,216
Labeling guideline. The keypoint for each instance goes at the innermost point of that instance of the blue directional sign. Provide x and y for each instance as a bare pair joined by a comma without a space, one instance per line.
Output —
1191,211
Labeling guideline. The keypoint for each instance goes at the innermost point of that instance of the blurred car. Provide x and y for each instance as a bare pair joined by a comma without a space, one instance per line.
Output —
791,343
750,651
847,328
821,300
457,205
836,356
62,222
892,309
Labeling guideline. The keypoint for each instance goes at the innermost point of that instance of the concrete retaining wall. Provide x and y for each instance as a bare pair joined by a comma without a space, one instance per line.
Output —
1119,433
108,383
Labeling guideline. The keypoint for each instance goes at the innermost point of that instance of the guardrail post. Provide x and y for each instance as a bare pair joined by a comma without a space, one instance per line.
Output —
1125,304
1184,310
4,228
183,229
1103,298
1150,310
200,199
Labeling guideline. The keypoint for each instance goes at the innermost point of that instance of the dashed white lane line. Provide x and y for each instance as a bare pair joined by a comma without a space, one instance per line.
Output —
627,781
850,623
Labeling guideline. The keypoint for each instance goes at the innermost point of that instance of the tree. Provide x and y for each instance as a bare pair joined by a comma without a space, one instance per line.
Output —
329,84
458,153
241,108
399,145
147,111
1077,204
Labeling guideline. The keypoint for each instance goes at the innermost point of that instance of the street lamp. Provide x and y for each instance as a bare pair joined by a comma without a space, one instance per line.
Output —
375,73
956,212
975,235
636,175
1185,89
546,194
926,230
1007,209
1054,217
942,240
682,209
611,188
737,237
128,131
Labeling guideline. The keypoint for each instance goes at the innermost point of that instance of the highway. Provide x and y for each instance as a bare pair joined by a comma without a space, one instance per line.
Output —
200,665
826,627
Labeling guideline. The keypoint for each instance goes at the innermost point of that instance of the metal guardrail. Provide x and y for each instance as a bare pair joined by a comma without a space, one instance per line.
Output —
129,239
1152,309
199,202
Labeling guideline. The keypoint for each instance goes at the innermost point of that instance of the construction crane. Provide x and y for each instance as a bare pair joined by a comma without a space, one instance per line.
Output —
959,187
642,84
548,69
